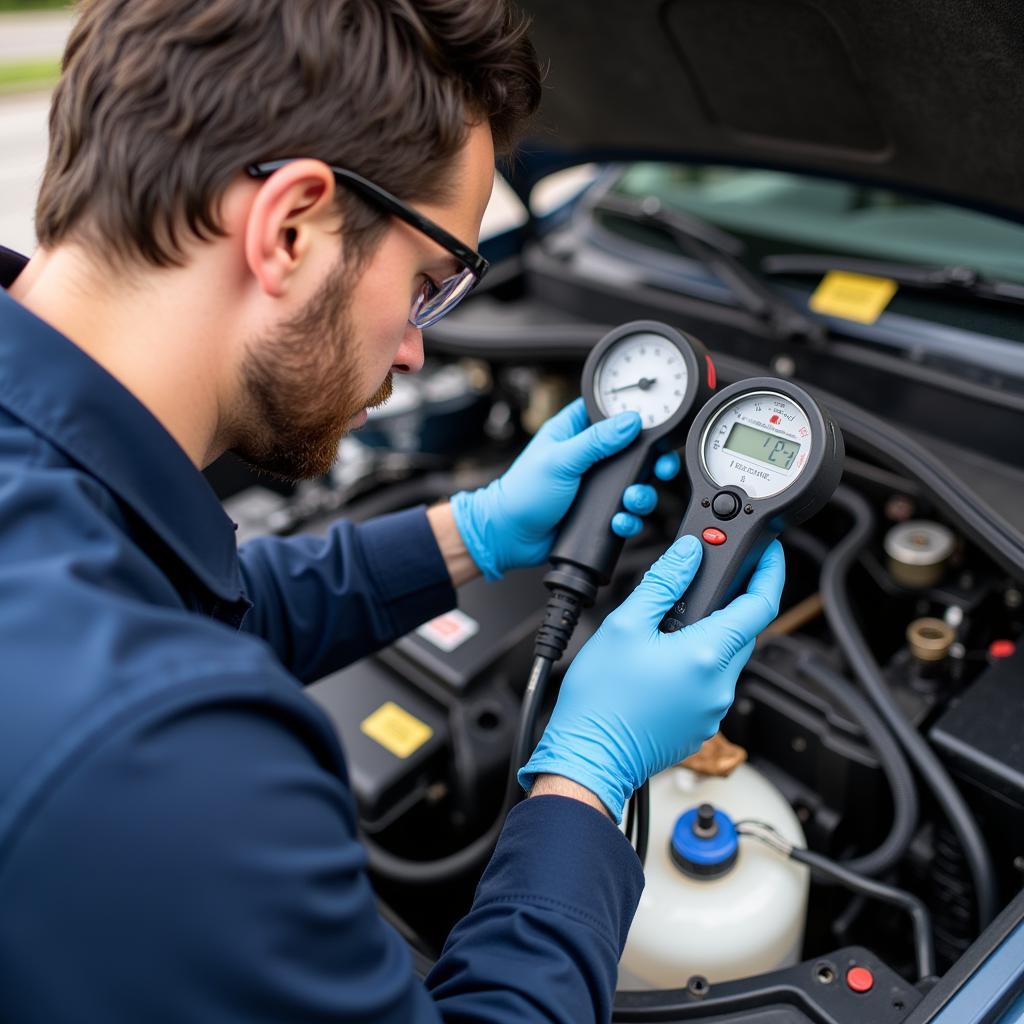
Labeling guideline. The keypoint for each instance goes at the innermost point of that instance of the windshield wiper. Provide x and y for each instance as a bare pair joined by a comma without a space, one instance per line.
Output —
962,279
720,252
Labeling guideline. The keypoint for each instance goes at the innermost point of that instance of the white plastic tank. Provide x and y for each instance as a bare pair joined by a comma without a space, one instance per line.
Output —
748,918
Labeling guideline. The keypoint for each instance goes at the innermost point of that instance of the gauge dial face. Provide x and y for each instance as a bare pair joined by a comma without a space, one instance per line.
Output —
760,442
642,373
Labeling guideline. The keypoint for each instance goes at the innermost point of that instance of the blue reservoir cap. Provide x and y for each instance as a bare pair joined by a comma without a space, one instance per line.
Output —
704,842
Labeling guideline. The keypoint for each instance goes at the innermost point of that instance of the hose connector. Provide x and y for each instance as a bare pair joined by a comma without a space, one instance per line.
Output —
561,614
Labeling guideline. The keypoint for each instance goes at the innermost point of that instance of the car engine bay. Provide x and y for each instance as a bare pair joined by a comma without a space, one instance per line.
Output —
881,710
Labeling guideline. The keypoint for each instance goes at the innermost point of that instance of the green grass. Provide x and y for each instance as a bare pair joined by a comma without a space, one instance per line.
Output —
24,75
34,5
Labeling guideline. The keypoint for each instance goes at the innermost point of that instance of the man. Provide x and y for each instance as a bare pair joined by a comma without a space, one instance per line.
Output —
249,211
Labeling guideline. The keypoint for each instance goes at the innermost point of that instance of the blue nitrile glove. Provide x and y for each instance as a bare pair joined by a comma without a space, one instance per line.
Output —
511,523
635,700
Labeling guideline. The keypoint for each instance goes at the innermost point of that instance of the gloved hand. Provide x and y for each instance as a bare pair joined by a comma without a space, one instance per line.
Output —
510,523
635,700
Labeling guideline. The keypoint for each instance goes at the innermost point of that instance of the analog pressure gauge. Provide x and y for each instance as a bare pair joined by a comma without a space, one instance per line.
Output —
644,373
664,376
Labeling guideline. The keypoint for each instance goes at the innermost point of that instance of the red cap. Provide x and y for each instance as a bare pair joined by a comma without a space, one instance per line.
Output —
860,979
1002,648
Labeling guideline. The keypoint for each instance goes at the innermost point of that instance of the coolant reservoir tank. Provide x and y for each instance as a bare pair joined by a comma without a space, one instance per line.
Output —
715,904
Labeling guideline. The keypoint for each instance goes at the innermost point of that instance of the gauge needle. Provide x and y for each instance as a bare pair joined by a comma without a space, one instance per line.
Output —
643,384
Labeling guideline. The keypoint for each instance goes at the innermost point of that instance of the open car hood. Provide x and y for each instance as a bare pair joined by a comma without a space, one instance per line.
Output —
922,95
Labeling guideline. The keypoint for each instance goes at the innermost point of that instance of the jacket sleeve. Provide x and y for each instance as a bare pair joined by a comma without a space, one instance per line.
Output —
549,921
324,602
216,875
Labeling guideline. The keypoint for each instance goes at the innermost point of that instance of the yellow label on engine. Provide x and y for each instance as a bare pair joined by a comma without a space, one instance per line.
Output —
853,296
396,730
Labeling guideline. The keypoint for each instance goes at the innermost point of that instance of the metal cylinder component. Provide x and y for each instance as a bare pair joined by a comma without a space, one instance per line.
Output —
930,639
796,617
919,551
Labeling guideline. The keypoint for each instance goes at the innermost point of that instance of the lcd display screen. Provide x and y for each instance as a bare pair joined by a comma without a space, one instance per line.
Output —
760,445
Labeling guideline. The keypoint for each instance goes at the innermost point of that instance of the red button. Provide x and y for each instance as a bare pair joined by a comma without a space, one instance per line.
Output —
713,536
860,979
1002,648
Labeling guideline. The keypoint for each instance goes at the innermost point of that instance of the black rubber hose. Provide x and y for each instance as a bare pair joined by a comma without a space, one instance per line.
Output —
924,949
642,803
806,542
894,764
825,867
533,701
430,872
839,613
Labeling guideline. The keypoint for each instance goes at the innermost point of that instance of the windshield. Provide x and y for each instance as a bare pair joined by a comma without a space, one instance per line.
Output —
806,213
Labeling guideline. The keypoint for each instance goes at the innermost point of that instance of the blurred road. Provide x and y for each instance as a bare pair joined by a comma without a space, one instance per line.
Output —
27,36
22,157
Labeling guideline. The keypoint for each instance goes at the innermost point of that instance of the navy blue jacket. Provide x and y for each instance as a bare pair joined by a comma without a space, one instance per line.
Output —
177,834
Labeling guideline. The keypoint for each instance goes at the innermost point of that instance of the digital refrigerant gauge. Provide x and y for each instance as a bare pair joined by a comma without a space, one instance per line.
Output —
761,456
663,375
760,442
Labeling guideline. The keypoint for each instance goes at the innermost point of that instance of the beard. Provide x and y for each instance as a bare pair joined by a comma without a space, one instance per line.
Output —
300,388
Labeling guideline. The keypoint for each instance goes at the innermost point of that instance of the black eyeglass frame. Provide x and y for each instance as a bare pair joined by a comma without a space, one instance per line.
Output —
469,258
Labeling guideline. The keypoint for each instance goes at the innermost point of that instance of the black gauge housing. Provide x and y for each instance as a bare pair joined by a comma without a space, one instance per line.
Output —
586,540
748,524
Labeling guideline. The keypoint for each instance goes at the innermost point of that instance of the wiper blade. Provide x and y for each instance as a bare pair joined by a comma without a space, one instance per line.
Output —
720,252
926,278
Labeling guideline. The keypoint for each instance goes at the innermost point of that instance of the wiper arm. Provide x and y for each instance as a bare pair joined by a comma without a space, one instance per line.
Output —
719,251
927,278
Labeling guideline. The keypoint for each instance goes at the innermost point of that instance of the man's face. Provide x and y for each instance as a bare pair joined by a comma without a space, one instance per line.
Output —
311,379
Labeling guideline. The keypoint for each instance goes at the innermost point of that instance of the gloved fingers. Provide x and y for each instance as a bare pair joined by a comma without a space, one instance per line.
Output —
739,661
641,499
566,423
739,622
579,453
725,683
626,525
664,582
722,679
667,466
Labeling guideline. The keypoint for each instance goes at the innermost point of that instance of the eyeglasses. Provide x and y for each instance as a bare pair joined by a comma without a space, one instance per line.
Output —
434,299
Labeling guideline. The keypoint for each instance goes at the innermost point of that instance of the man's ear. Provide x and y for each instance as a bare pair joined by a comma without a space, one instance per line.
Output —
292,207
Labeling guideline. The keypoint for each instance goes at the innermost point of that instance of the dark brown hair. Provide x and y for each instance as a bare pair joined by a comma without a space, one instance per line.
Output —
163,102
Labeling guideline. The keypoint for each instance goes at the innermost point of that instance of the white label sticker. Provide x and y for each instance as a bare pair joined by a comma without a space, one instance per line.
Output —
450,630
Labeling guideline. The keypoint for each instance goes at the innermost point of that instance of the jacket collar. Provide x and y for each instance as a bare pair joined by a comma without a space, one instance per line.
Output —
50,384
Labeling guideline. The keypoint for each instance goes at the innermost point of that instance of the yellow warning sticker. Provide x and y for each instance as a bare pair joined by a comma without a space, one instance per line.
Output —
396,730
853,296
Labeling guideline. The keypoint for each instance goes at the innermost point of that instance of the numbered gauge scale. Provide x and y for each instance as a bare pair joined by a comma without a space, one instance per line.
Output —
665,376
762,455
646,373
